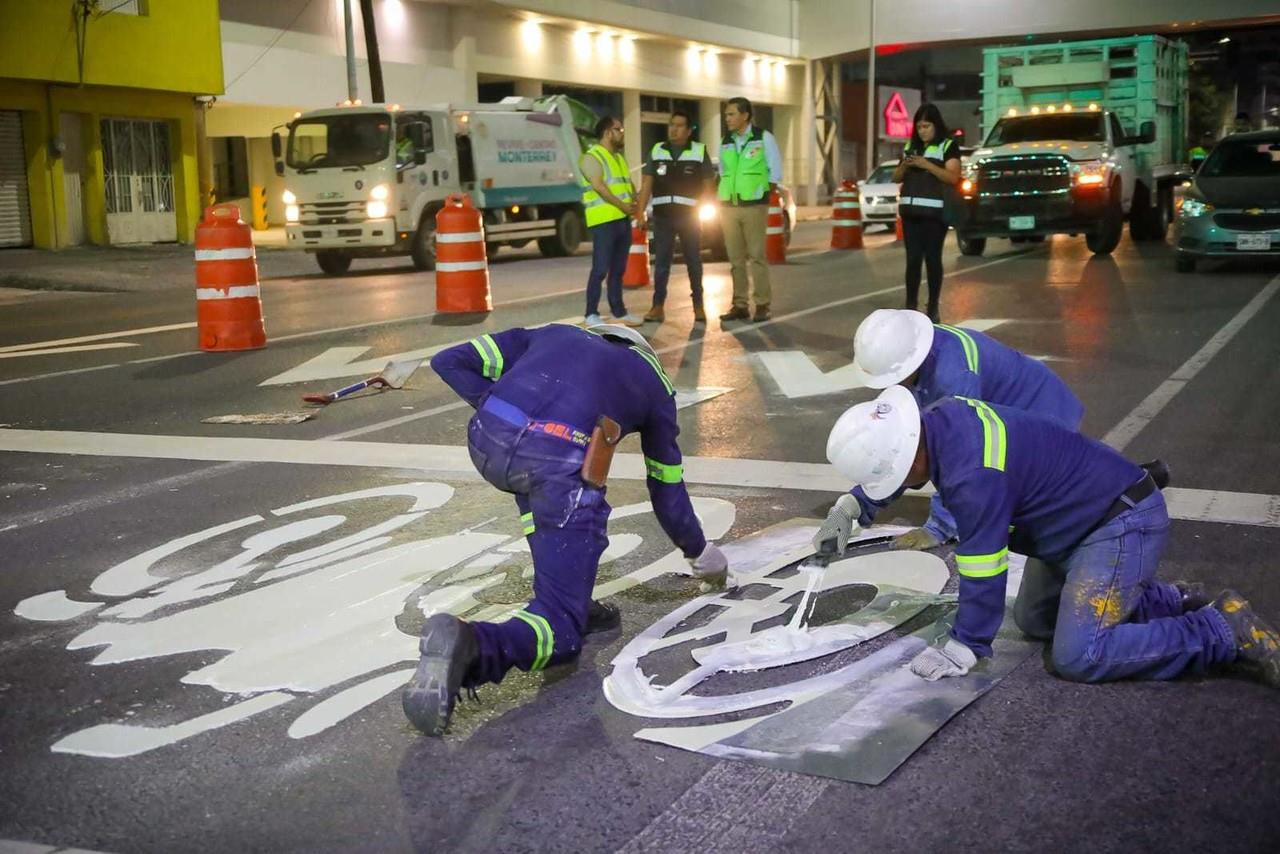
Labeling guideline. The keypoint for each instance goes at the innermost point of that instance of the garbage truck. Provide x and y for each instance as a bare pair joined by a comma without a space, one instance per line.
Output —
365,181
1080,136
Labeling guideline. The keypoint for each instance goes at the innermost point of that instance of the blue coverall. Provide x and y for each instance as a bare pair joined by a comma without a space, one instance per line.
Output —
1015,478
537,394
968,363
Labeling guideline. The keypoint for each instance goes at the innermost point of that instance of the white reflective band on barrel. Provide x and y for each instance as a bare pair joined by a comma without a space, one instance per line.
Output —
638,249
773,211
777,229
848,205
233,292
675,200
239,254
459,266
460,237
921,201
848,223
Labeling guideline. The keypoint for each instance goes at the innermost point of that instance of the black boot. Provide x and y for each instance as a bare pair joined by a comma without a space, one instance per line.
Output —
449,650
1257,641
602,617
1194,595
1159,472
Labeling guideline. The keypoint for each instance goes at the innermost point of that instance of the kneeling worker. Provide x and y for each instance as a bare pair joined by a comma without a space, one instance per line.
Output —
550,405
1096,521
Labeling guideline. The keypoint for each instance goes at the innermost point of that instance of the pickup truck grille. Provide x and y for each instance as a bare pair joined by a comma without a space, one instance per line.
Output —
1015,176
331,213
1248,222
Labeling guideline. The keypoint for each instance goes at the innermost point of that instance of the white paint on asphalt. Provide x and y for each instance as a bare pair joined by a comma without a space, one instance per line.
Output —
336,709
79,348
1124,432
54,606
101,336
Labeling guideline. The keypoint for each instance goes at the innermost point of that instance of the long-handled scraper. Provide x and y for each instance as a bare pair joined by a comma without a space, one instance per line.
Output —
393,375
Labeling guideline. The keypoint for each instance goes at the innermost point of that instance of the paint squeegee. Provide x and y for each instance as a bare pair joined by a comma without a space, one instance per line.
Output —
393,375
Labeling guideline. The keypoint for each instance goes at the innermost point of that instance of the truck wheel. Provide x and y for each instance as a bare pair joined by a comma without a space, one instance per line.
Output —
333,262
568,236
1104,238
1140,213
423,249
971,245
1185,263
1162,213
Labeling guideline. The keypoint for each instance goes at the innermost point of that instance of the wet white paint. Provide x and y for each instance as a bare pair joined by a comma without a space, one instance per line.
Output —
348,702
53,606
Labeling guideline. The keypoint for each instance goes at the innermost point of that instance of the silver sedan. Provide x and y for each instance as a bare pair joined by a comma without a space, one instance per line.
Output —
1232,208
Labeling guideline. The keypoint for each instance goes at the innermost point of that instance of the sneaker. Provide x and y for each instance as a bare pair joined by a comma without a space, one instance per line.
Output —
630,319
1257,641
592,320
699,313
449,650
602,617
657,314
762,314
738,312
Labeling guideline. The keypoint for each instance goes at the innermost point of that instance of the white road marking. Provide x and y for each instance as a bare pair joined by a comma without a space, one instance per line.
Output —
103,336
1198,505
1124,432
80,348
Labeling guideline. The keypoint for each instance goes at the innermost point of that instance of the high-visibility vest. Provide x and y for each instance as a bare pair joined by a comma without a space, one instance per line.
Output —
744,172
921,193
676,188
616,177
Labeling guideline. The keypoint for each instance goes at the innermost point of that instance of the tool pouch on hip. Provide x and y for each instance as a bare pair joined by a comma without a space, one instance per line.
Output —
604,438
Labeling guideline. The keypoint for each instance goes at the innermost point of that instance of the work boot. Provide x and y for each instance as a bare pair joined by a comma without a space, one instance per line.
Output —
449,650
1159,472
1194,595
602,617
1257,641
657,314
933,313
699,313
762,313
738,312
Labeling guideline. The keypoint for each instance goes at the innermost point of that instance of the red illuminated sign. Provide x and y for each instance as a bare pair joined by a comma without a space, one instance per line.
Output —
897,120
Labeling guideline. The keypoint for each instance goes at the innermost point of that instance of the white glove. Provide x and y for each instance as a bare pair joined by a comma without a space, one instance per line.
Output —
841,524
710,563
951,659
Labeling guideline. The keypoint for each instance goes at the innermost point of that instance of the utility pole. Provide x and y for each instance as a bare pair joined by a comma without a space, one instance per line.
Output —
353,90
371,48
871,92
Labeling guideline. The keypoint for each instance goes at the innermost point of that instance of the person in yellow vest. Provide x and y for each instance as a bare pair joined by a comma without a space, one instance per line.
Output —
750,169
608,201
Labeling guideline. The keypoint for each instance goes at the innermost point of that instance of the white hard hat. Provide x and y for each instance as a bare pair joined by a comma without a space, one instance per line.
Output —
889,345
618,332
874,443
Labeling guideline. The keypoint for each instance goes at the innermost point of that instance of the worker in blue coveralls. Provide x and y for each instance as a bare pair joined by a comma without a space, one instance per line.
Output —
1096,521
546,399
935,361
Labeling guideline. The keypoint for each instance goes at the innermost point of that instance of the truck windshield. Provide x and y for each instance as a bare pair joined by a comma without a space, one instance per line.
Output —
1243,160
1086,127
351,140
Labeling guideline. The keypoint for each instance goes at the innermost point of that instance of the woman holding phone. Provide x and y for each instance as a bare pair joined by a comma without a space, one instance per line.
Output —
930,168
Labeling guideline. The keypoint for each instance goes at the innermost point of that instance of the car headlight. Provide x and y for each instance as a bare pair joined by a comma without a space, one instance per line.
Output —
288,197
379,193
291,213
376,209
1090,173
707,212
1193,207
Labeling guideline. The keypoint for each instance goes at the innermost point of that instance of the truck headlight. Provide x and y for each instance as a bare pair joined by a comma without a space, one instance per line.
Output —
707,212
1193,207
1090,173
290,213
379,193
288,197
376,209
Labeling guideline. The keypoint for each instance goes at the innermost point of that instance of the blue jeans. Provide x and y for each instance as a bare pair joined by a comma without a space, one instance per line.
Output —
1109,617
610,247
682,223
569,521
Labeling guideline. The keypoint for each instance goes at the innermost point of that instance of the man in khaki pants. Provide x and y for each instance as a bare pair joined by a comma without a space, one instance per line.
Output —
750,169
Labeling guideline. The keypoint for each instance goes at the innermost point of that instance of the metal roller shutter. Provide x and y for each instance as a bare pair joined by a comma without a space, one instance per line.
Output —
15,208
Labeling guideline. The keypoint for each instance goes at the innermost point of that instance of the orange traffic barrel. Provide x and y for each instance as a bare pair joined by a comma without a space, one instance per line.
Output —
228,300
637,272
897,228
462,271
775,233
846,218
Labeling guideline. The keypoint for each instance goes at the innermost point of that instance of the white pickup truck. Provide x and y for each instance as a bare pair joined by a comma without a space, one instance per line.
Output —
366,181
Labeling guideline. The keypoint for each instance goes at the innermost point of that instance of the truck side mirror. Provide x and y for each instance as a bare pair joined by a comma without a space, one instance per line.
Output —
276,149
1147,132
420,135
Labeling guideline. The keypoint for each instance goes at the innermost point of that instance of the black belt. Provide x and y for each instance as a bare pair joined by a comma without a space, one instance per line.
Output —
1128,499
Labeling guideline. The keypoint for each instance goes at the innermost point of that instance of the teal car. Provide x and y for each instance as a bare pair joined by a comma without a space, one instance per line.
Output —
1232,208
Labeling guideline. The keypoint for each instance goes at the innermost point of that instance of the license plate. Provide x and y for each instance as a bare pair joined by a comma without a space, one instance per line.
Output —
1253,242
1021,223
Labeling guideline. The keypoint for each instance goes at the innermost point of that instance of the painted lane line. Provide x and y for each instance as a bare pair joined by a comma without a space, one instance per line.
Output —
79,348
149,330
1198,505
1146,411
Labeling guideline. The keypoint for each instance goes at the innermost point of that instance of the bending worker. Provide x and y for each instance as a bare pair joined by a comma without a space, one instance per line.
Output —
935,362
678,175
550,405
1096,521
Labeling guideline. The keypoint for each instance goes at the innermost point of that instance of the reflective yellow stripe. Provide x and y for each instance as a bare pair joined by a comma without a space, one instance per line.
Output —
542,630
657,366
966,341
994,438
983,566
490,355
663,472
526,521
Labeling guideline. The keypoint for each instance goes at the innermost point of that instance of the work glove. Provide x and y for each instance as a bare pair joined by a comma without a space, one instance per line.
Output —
917,539
710,563
841,524
951,659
